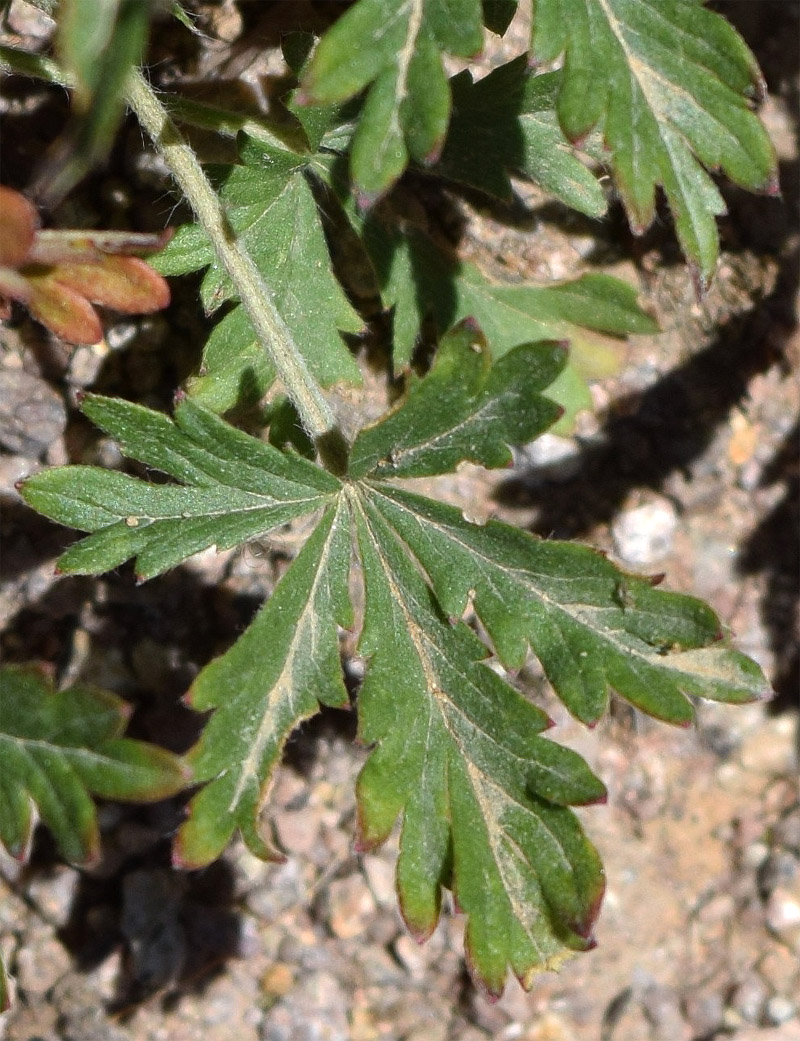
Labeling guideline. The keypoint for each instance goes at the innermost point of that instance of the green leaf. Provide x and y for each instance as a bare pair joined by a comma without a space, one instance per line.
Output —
233,488
272,210
507,123
481,796
592,626
270,680
57,749
394,50
418,280
667,84
99,43
465,408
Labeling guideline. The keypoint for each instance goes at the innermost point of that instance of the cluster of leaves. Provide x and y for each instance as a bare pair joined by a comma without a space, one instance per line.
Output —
484,799
59,275
57,750
656,90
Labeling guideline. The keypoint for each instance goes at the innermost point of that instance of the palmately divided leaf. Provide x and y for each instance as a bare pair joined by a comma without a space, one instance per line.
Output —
233,488
272,210
57,749
667,84
464,409
507,123
592,626
481,795
395,50
270,680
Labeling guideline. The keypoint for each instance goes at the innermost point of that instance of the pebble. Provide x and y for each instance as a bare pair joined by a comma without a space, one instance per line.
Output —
782,914
40,964
787,831
705,1013
644,535
380,874
32,414
549,458
350,906
411,956
315,1010
780,970
749,998
297,830
779,1010
55,894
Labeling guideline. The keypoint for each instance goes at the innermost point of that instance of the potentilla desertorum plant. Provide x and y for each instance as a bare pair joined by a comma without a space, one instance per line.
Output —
659,94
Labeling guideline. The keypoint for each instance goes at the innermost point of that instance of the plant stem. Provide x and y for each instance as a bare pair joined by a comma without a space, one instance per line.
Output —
272,331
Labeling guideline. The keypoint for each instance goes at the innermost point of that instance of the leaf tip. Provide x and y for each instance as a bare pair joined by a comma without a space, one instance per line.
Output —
700,281
772,187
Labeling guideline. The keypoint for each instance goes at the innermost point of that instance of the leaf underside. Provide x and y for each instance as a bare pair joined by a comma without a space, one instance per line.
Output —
57,749
458,756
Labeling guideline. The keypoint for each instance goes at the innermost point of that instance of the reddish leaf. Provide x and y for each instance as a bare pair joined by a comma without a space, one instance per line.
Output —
18,224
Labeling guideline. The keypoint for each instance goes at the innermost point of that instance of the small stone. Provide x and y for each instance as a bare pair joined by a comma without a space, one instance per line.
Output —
85,365
782,914
297,830
787,831
315,1010
779,1010
755,853
41,962
55,895
350,906
780,970
411,956
549,458
278,980
749,998
720,908
643,536
780,869
381,878
705,1013
32,415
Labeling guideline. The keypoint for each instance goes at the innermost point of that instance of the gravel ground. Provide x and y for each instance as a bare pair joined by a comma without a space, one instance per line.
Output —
689,467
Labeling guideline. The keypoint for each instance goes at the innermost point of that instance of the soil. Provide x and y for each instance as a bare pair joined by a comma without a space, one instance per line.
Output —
689,466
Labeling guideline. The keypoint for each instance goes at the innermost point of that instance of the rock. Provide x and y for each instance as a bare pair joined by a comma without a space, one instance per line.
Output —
787,831
411,956
705,1013
381,879
782,914
297,830
350,906
749,998
315,1010
779,1010
55,894
549,458
643,536
32,415
780,970
40,963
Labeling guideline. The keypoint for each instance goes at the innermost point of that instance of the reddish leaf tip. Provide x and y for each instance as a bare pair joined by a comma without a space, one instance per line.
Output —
773,185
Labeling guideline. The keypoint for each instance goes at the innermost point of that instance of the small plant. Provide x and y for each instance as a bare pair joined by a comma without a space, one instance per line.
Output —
656,91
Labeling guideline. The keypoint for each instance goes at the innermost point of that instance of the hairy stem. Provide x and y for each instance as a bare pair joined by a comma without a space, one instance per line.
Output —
272,331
